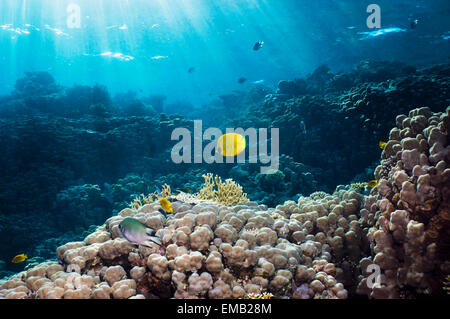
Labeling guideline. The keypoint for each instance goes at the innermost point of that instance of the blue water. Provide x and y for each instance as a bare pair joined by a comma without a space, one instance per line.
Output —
148,46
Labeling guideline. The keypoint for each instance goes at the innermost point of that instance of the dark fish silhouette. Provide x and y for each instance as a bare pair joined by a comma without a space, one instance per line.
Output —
191,69
242,80
414,23
258,45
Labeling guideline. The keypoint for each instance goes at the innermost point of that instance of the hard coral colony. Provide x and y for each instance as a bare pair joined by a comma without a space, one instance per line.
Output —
218,244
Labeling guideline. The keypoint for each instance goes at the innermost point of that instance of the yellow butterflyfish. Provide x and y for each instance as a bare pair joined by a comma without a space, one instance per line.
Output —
231,144
373,183
19,258
166,205
382,144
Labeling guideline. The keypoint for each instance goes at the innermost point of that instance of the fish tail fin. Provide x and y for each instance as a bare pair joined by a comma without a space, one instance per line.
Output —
152,239
156,240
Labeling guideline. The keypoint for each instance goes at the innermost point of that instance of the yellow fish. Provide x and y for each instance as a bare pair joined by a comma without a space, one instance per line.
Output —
373,183
19,258
166,205
230,144
382,145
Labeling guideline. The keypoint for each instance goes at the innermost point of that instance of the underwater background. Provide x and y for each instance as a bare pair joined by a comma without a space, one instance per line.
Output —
87,111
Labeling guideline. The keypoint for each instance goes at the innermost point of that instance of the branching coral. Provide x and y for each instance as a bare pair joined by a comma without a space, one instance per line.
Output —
207,191
166,191
143,200
228,193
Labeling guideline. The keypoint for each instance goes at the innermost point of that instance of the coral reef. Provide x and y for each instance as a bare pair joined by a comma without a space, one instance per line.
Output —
317,247
320,246
58,169
410,239
344,126
76,154
209,250
286,183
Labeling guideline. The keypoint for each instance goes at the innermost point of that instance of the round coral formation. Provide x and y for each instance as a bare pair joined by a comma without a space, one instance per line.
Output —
410,238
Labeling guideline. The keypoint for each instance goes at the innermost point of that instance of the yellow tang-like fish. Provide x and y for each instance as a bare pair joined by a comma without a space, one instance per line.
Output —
382,144
231,144
19,258
373,183
166,205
